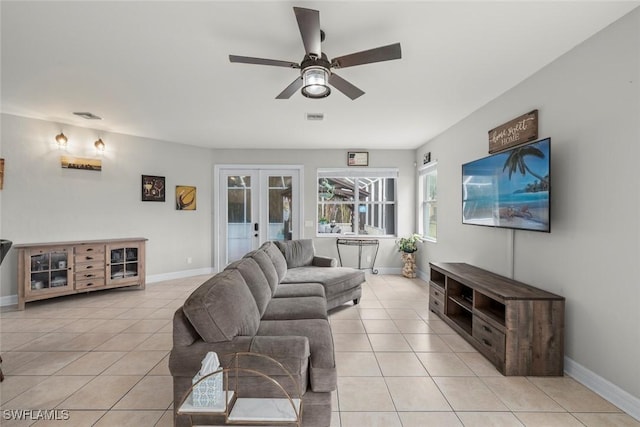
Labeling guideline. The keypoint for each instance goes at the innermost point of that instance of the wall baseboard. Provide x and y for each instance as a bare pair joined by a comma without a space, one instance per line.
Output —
423,275
386,270
9,300
614,394
179,274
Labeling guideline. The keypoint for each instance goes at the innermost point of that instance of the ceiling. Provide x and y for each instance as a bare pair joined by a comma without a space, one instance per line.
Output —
161,69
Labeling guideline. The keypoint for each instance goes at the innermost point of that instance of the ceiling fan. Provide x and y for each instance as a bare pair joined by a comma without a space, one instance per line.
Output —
315,68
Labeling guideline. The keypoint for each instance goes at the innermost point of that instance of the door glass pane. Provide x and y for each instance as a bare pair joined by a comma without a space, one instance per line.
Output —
239,222
280,212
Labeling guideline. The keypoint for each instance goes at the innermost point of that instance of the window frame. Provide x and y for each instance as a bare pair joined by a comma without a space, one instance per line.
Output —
425,172
372,215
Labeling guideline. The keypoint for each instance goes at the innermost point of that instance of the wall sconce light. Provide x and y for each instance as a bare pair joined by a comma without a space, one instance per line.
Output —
61,140
100,146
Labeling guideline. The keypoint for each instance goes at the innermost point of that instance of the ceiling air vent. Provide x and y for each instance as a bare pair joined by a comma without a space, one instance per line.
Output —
315,116
87,115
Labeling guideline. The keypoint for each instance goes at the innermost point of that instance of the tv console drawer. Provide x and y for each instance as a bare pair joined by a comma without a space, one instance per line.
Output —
436,293
490,338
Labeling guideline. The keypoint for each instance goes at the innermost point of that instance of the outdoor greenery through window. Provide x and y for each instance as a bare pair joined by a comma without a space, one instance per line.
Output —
357,202
429,201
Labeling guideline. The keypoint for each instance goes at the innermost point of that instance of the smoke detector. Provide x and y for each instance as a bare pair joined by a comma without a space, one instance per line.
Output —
315,116
87,115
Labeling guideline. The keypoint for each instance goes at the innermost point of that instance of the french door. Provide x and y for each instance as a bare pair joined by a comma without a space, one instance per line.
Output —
255,205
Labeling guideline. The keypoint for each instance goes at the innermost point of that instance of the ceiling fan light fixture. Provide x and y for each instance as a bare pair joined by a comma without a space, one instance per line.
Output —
315,82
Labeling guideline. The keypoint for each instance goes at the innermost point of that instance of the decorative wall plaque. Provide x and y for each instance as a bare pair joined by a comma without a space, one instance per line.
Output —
515,132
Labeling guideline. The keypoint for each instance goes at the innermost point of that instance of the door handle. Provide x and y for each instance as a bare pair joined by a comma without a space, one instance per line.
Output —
256,227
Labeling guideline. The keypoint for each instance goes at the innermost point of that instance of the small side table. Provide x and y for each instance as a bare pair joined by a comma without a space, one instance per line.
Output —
360,243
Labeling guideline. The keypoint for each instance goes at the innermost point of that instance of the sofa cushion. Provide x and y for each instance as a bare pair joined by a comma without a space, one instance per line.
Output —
222,308
276,257
298,253
255,280
289,290
296,308
267,267
335,279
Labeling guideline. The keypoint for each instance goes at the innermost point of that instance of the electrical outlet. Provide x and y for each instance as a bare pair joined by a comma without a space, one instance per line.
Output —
189,260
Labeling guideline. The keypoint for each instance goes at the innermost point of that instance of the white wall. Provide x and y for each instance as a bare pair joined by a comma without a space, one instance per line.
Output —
43,202
311,160
589,104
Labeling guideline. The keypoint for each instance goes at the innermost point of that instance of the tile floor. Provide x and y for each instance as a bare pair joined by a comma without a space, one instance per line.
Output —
103,357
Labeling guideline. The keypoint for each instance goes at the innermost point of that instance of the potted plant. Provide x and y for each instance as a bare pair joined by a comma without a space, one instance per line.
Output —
408,246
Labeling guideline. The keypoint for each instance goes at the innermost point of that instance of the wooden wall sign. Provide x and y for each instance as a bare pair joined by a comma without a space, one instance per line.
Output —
515,132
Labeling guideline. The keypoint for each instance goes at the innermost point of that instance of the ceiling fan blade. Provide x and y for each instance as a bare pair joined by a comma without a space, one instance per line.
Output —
379,54
291,89
261,61
345,87
309,24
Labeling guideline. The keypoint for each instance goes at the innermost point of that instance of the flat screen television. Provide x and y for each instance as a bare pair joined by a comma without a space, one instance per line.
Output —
510,189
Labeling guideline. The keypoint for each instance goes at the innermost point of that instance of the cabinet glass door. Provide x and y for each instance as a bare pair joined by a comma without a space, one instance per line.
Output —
49,270
124,263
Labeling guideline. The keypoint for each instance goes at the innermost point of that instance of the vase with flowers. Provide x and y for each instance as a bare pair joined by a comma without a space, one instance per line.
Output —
408,246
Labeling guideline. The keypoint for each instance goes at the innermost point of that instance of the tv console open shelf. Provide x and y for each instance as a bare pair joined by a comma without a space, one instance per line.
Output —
519,328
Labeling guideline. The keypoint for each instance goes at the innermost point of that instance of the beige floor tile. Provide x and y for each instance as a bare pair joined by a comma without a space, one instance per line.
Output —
351,342
416,394
520,395
486,419
479,364
48,363
49,393
12,360
76,418
335,406
162,368
136,363
101,393
396,303
46,323
369,303
438,326
469,394
123,342
548,419
136,313
12,340
436,419
444,365
412,326
13,386
157,341
92,363
146,325
388,342
129,418
380,327
114,326
107,313
347,326
426,342
457,343
335,419
88,341
373,313
357,364
370,419
404,364
364,394
571,395
166,420
609,420
402,314
53,341
152,392
345,312
84,325
163,313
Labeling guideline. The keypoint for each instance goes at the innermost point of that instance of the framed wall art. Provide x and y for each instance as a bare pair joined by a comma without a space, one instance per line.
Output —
153,188
81,163
185,198
358,158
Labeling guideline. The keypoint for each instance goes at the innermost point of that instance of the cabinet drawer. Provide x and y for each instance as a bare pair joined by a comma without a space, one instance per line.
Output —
436,306
89,274
436,293
89,257
490,338
89,249
90,283
89,266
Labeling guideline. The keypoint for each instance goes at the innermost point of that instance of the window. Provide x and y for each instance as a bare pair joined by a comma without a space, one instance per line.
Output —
361,202
429,201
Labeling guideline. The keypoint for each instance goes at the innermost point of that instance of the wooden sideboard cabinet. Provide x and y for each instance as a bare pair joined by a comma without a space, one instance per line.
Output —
517,327
47,270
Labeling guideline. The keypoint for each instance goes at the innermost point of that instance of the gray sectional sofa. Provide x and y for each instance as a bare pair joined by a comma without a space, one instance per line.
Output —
274,301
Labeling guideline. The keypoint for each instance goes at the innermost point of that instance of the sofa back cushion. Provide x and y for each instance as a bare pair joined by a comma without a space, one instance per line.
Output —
222,308
256,281
276,257
297,253
267,267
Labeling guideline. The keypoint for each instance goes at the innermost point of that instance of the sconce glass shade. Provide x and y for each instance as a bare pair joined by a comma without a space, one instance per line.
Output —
99,145
61,139
315,82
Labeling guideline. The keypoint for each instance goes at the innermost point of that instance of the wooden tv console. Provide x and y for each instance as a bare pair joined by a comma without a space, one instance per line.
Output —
519,328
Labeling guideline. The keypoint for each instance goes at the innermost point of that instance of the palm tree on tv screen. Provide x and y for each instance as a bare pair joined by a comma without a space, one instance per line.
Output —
516,161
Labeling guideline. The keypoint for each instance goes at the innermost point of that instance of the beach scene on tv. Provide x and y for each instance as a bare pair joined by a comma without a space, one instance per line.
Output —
509,189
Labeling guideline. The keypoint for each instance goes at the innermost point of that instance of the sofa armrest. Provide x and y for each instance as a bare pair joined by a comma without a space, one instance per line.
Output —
323,261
